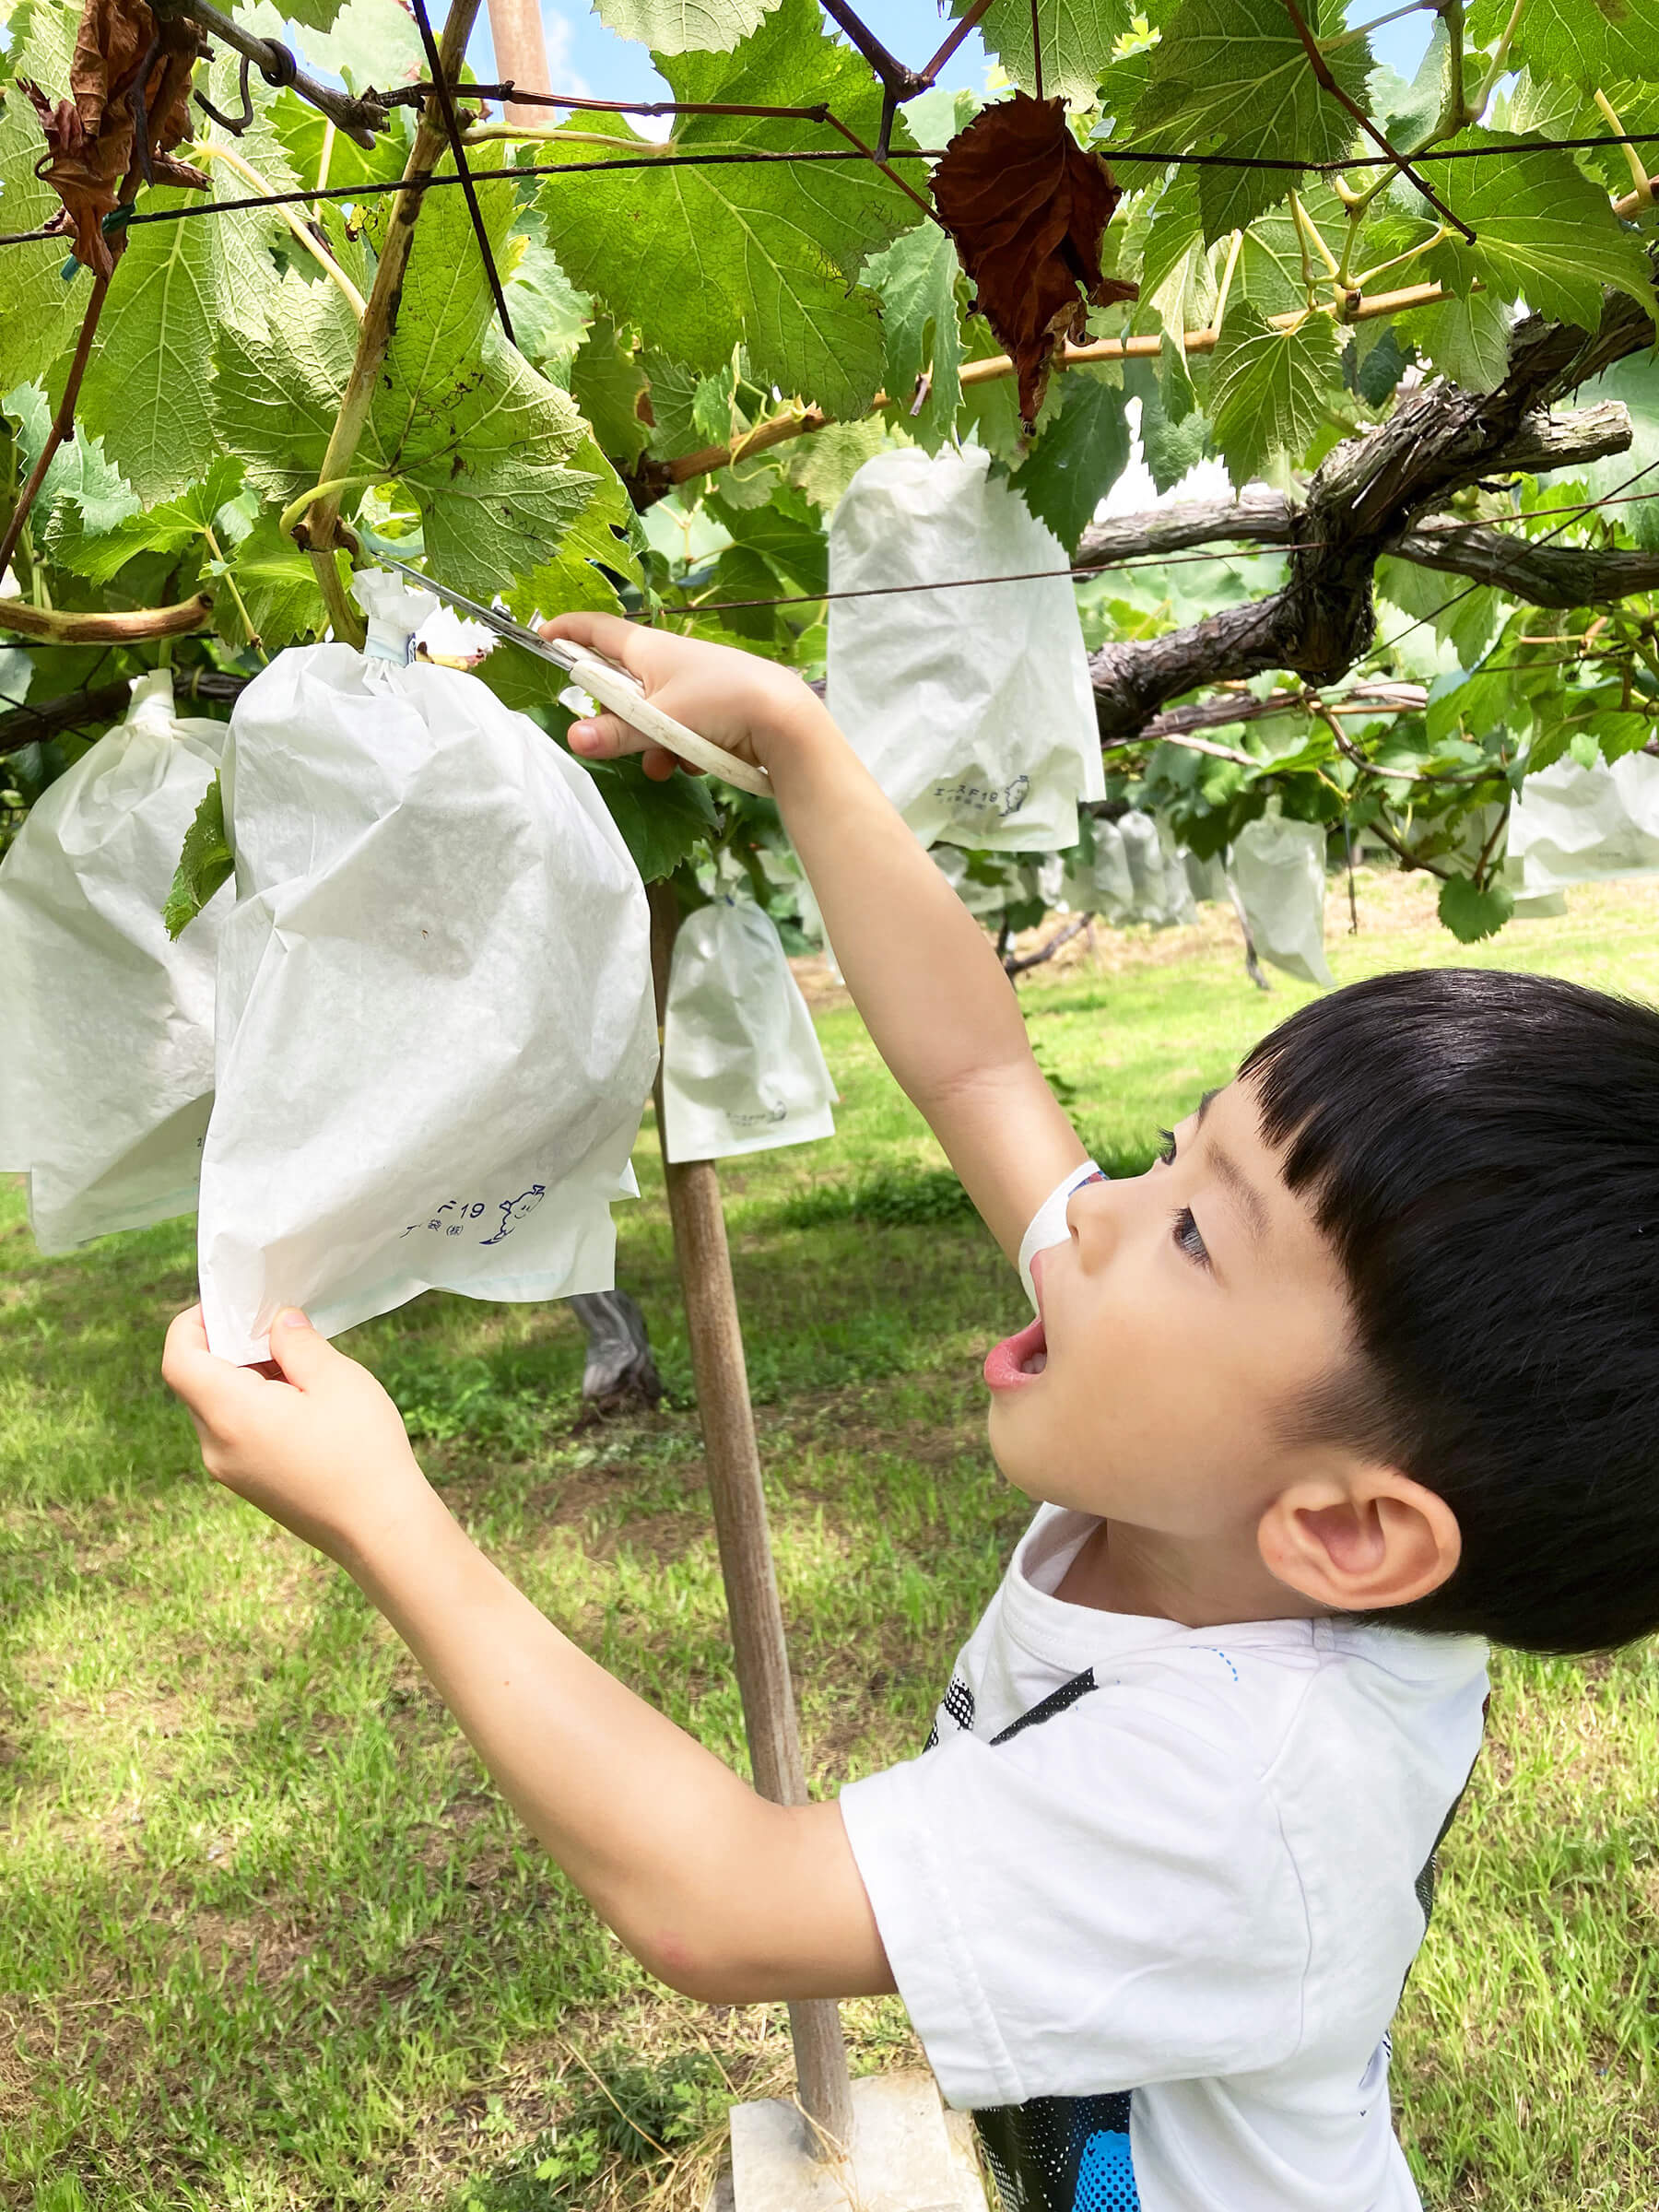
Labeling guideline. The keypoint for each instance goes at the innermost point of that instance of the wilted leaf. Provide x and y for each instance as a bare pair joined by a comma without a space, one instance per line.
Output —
1028,207
91,137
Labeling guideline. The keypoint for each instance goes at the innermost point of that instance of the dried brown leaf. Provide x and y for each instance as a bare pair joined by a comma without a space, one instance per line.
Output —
124,63
1028,207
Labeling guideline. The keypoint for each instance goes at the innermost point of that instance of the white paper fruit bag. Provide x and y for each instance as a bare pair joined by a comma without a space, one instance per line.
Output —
106,1025
435,1020
1278,868
742,1070
971,707
1573,824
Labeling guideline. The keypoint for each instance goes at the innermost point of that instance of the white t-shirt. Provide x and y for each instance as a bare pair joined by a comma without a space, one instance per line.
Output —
1151,1893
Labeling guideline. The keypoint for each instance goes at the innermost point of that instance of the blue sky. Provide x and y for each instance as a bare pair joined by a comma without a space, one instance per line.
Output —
585,57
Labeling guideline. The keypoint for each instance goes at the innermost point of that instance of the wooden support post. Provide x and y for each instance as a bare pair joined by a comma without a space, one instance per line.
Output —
746,1560
521,52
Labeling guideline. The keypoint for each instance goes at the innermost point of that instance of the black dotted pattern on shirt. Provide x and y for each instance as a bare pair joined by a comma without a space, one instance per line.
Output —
1056,1703
1040,2154
958,1705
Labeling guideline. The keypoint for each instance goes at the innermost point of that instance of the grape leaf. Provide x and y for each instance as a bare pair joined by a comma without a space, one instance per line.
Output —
1471,913
80,489
1542,230
549,315
661,823
42,312
275,397
1467,339
171,526
1169,449
1232,76
1636,382
206,863
679,25
1594,41
1076,39
485,451
366,41
767,253
916,280
307,137
1267,387
276,585
1077,459
606,382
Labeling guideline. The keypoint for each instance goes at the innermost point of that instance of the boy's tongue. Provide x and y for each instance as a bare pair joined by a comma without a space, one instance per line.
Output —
1018,1359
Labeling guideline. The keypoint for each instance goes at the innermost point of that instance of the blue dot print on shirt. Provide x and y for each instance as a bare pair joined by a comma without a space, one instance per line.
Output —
1106,2177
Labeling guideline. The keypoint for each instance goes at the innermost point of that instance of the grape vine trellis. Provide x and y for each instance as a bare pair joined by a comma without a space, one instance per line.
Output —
575,366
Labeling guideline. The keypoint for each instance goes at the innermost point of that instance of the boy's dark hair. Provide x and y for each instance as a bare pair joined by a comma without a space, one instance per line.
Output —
1482,1151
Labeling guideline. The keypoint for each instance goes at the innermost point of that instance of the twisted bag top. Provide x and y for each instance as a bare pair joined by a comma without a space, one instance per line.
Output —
435,1021
107,1071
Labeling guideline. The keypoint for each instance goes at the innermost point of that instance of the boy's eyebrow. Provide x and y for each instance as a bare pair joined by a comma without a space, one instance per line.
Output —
1244,1192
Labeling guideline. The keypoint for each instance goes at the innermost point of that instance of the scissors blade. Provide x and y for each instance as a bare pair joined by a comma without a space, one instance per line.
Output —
504,626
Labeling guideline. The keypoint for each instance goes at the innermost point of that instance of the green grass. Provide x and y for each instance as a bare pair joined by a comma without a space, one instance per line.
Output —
268,1942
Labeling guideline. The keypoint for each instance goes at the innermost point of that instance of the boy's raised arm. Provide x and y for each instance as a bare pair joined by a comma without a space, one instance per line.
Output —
923,973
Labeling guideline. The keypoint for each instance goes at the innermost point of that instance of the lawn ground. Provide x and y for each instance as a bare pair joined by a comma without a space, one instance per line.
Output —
269,1943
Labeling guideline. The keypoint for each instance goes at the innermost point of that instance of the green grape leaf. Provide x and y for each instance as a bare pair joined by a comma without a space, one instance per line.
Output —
41,312
1542,230
991,410
80,489
275,397
606,382
1170,449
1594,41
917,280
308,139
1233,77
276,585
549,315
485,451
786,531
1271,257
1406,112
1467,339
205,864
366,41
1077,38
683,25
1471,913
662,824
180,286
1076,461
674,388
767,254
171,526
1635,382
824,464
1269,387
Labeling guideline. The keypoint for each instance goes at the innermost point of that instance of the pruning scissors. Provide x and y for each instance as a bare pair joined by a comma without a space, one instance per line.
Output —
612,686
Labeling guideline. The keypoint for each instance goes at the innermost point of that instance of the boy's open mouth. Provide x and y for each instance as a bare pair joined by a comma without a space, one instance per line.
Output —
1018,1358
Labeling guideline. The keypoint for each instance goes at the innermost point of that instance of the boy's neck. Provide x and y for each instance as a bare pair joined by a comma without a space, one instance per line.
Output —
1122,1568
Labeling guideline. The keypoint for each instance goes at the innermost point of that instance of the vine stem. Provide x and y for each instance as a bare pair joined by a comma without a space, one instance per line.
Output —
131,629
1499,61
321,525
1643,187
62,423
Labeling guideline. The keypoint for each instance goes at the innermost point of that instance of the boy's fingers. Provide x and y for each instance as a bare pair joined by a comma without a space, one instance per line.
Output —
208,1385
608,634
303,1357
603,736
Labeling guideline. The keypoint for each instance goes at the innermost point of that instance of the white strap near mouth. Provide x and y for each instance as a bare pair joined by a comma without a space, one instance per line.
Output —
1048,1223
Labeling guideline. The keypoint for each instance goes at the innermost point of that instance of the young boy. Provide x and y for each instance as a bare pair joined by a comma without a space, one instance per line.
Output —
1364,1371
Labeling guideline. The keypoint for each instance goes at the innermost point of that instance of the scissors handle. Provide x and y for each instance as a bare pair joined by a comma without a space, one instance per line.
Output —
622,693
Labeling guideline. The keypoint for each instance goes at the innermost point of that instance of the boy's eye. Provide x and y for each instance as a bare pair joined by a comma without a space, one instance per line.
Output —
1166,1150
1188,1239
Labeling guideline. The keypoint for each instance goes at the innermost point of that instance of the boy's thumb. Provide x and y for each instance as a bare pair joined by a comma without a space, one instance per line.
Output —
298,1349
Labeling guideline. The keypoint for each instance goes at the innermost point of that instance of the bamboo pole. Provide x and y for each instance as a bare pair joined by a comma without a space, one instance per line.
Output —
521,51
738,1497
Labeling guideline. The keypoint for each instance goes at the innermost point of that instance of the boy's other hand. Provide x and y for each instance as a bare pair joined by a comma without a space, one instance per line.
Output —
733,699
311,1439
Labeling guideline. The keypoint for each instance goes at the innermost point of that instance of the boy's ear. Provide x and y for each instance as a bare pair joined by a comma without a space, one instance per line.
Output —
1360,1539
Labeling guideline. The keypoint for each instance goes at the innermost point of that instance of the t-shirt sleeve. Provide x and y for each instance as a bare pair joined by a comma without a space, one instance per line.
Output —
1048,1223
1095,1904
